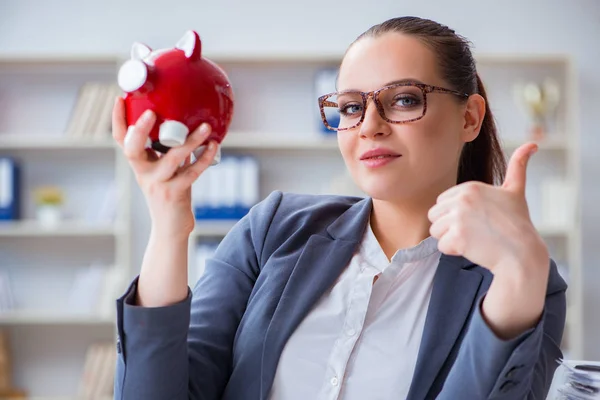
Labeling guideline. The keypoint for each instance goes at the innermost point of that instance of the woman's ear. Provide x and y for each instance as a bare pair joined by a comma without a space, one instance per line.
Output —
473,117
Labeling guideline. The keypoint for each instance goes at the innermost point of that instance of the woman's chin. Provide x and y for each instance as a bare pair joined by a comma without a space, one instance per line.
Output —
384,191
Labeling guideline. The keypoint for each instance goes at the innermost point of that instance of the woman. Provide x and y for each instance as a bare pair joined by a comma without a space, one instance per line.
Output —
436,285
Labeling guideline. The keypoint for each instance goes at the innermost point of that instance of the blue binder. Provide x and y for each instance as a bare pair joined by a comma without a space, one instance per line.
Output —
9,189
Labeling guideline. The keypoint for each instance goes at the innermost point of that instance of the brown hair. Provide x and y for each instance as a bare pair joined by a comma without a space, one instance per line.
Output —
482,159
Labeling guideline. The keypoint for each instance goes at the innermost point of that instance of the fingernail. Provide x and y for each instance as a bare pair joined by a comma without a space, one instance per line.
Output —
146,116
128,135
211,145
204,128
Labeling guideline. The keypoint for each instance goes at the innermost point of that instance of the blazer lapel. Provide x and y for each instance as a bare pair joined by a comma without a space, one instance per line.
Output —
323,259
452,298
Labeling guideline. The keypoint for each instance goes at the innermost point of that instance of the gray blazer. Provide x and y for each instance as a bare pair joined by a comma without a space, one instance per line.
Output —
225,340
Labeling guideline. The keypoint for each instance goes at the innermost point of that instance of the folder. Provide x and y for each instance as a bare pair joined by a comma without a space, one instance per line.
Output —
9,189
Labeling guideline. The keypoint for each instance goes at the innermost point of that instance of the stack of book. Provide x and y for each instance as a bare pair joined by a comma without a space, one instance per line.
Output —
91,117
228,190
580,381
94,290
202,251
98,375
7,302
7,391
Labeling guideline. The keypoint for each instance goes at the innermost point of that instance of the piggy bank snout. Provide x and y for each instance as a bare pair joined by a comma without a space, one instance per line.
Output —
132,75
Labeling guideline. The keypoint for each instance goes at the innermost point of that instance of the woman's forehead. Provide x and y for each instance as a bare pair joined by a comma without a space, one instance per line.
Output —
373,62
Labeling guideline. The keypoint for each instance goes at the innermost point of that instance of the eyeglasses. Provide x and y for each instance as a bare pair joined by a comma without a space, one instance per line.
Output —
397,104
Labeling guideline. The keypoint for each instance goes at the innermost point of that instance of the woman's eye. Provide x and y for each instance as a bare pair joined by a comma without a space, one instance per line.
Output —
406,101
350,109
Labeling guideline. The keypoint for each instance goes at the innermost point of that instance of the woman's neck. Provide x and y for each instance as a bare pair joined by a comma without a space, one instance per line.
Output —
400,226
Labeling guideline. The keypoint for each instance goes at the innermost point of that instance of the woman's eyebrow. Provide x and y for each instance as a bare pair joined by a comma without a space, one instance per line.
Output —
394,82
405,80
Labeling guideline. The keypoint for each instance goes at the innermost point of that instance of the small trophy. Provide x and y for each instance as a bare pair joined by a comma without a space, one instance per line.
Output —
540,101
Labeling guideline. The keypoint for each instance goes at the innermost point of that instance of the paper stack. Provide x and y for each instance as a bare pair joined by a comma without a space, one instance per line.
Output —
581,381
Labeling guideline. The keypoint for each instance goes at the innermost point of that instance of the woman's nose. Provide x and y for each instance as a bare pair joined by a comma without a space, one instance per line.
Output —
373,123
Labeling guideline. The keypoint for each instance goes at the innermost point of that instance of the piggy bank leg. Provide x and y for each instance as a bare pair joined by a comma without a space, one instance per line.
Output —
172,133
198,153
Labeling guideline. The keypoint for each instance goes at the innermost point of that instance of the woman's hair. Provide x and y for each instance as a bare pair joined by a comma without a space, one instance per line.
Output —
482,159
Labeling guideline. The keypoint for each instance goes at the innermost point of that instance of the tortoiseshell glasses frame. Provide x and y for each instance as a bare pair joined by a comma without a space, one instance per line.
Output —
375,95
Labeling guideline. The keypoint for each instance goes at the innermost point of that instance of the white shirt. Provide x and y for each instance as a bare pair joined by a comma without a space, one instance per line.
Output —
361,340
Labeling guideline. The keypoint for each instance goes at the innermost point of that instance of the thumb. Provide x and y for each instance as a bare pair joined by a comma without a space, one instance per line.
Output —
516,171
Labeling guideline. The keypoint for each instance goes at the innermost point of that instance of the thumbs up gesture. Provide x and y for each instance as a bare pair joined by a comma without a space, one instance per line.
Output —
489,225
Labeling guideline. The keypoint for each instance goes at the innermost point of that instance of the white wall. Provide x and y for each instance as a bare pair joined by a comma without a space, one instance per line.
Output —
34,27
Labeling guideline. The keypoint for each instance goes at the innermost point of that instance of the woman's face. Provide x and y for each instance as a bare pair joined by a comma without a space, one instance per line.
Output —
428,149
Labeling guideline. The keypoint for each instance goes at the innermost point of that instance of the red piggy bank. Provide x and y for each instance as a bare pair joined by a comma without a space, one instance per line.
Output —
181,87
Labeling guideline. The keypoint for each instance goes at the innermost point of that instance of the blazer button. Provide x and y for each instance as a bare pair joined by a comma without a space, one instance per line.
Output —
511,372
119,347
506,386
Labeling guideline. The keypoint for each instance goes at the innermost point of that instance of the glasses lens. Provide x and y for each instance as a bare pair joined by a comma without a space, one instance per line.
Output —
343,111
402,103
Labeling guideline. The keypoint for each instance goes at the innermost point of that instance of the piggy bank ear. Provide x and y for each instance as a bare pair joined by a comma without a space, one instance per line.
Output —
190,44
139,51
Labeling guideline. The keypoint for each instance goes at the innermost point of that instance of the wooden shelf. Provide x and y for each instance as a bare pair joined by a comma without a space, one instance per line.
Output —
270,141
68,398
50,318
554,231
211,228
520,60
207,228
552,143
32,228
268,57
57,142
234,140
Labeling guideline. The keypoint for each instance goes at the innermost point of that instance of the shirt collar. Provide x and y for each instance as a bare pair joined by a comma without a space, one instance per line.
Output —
373,253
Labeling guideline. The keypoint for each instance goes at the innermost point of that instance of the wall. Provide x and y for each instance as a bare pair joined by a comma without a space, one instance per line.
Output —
30,27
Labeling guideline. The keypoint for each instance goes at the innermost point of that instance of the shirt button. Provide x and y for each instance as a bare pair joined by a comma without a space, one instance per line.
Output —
334,381
350,332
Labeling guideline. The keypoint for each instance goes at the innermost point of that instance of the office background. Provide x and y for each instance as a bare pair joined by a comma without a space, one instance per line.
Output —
272,35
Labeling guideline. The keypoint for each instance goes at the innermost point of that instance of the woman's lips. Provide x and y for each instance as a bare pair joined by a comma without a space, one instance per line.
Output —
378,161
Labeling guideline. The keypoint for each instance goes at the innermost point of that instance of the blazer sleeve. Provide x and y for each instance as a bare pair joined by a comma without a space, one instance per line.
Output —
522,368
184,351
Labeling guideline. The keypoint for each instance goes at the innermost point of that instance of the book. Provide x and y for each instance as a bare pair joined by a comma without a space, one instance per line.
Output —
9,189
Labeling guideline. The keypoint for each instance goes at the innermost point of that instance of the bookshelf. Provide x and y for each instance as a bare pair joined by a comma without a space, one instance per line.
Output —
63,278
556,161
276,122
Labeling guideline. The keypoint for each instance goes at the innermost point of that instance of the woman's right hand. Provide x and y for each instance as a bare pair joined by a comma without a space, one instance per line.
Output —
165,180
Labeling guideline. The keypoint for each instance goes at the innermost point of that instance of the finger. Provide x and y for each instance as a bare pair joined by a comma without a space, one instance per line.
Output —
441,226
516,173
176,156
458,189
137,136
119,124
451,243
189,174
440,209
